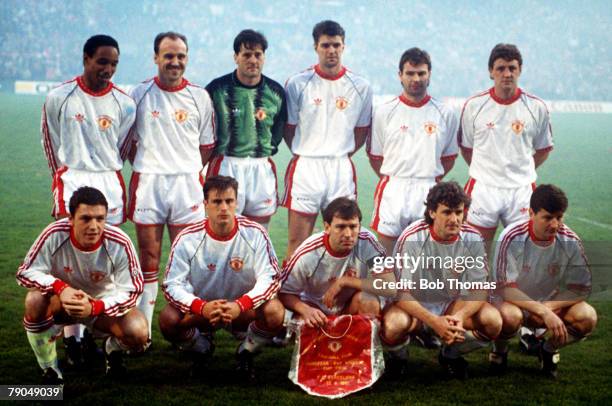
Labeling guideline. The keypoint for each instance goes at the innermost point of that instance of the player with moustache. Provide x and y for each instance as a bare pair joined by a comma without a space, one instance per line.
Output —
85,126
413,146
458,314
329,116
82,270
333,272
543,280
173,138
222,272
250,116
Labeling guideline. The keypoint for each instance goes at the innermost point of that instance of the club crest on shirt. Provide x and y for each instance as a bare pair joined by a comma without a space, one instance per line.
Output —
517,126
236,264
96,276
104,122
334,346
430,128
260,114
212,267
180,116
79,117
553,269
341,103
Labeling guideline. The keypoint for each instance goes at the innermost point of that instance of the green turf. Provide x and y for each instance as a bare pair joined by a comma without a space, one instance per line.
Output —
580,163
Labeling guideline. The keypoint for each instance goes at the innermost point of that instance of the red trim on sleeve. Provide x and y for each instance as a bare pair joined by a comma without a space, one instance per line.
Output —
546,149
197,306
206,147
245,303
97,307
59,286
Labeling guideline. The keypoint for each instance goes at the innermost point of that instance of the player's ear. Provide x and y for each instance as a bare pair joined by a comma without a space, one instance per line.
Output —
326,227
531,213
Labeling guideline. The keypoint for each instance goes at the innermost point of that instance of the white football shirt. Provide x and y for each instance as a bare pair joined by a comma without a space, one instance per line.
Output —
413,139
504,135
85,130
172,124
541,271
325,111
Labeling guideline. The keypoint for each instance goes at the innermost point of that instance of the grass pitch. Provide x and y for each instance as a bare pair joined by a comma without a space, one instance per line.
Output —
580,164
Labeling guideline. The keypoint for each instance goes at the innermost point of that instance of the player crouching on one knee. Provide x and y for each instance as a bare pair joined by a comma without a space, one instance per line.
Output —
82,270
438,250
222,272
543,279
333,272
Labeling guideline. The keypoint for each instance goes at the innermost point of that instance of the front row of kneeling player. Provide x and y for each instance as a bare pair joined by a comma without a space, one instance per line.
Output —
223,273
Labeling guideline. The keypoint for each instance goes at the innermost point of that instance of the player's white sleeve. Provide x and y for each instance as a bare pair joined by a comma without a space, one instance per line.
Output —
293,95
507,261
372,252
295,276
452,124
465,133
50,132
35,272
578,275
128,278
177,287
543,138
365,117
376,138
266,272
207,121
126,129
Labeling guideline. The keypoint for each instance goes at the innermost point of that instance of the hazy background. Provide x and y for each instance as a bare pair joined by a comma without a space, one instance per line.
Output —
565,44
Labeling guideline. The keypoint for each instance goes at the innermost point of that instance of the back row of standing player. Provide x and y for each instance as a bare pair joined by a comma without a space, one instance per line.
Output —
170,129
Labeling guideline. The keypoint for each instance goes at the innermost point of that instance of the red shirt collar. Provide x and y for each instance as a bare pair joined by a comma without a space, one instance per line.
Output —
535,239
421,103
87,90
78,246
217,237
335,254
324,75
159,84
517,95
439,239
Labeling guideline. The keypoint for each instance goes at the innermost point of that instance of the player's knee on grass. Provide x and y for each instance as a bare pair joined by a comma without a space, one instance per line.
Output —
489,321
169,319
365,304
272,314
512,318
396,325
582,318
36,305
134,329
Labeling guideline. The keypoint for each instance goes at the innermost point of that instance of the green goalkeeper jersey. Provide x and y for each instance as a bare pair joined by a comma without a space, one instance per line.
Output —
249,120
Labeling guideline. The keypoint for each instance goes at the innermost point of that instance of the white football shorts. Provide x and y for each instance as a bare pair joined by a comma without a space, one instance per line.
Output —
66,181
176,200
493,204
312,183
398,202
257,186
